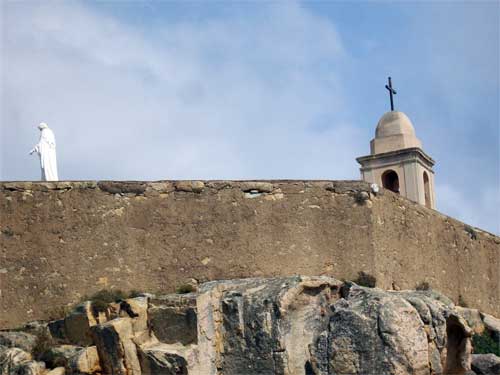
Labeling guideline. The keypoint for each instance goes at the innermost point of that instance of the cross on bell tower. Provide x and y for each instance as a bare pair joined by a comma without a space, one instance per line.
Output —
391,93
397,161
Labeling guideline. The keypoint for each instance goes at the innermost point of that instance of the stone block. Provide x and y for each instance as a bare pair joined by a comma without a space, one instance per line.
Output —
86,361
161,359
77,325
472,317
22,340
137,310
12,358
190,186
57,371
173,319
57,330
117,351
58,356
122,187
485,364
258,186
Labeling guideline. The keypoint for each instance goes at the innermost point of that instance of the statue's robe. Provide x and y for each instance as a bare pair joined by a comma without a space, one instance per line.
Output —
46,149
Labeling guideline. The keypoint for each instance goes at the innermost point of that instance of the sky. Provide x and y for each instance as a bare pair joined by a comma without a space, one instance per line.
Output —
252,90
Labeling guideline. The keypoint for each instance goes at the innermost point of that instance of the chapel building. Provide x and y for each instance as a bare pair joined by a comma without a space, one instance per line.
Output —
397,161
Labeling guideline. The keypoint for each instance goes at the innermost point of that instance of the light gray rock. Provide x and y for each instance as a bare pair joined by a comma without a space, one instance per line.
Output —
447,332
257,186
321,326
262,326
486,364
11,359
59,356
22,340
162,359
30,368
375,332
473,318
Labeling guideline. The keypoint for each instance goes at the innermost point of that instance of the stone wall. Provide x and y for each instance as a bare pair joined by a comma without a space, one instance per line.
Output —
61,241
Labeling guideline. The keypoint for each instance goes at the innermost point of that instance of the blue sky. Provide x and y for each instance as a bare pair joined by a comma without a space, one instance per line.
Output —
245,90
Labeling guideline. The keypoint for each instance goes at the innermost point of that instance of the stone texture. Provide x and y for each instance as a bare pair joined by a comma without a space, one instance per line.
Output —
262,326
473,318
384,335
321,326
11,359
22,340
58,356
57,371
162,359
122,187
312,325
486,364
173,318
314,228
77,325
29,368
57,330
257,186
137,310
85,361
117,351
190,186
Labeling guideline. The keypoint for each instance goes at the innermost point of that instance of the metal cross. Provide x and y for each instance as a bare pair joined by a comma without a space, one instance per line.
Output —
391,92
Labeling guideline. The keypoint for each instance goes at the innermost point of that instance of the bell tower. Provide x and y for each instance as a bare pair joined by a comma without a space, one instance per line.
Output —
397,161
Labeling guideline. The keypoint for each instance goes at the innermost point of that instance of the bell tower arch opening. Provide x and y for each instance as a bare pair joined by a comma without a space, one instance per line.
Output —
390,180
427,191
397,161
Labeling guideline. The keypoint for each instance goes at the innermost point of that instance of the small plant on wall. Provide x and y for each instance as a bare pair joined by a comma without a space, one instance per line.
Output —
424,285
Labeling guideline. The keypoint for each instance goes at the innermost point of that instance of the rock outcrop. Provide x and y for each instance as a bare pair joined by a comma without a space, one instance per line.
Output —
279,326
486,364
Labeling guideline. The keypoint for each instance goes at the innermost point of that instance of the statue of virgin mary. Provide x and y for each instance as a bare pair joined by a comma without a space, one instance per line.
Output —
46,149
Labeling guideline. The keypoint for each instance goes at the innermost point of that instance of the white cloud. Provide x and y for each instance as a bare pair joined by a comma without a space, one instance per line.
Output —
480,210
225,98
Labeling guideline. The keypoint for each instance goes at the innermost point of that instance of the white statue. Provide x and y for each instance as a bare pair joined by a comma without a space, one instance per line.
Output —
46,149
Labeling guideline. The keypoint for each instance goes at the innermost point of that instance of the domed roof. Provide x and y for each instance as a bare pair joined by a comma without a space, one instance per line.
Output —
394,123
394,132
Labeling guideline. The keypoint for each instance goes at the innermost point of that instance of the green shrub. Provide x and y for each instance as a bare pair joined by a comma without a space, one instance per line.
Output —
101,299
471,232
8,232
365,279
462,302
424,285
185,288
485,344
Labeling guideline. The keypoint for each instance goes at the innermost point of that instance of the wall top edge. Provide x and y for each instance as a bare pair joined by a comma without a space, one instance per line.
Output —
195,186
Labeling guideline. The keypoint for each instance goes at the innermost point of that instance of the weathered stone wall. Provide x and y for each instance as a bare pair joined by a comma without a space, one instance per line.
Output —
60,241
